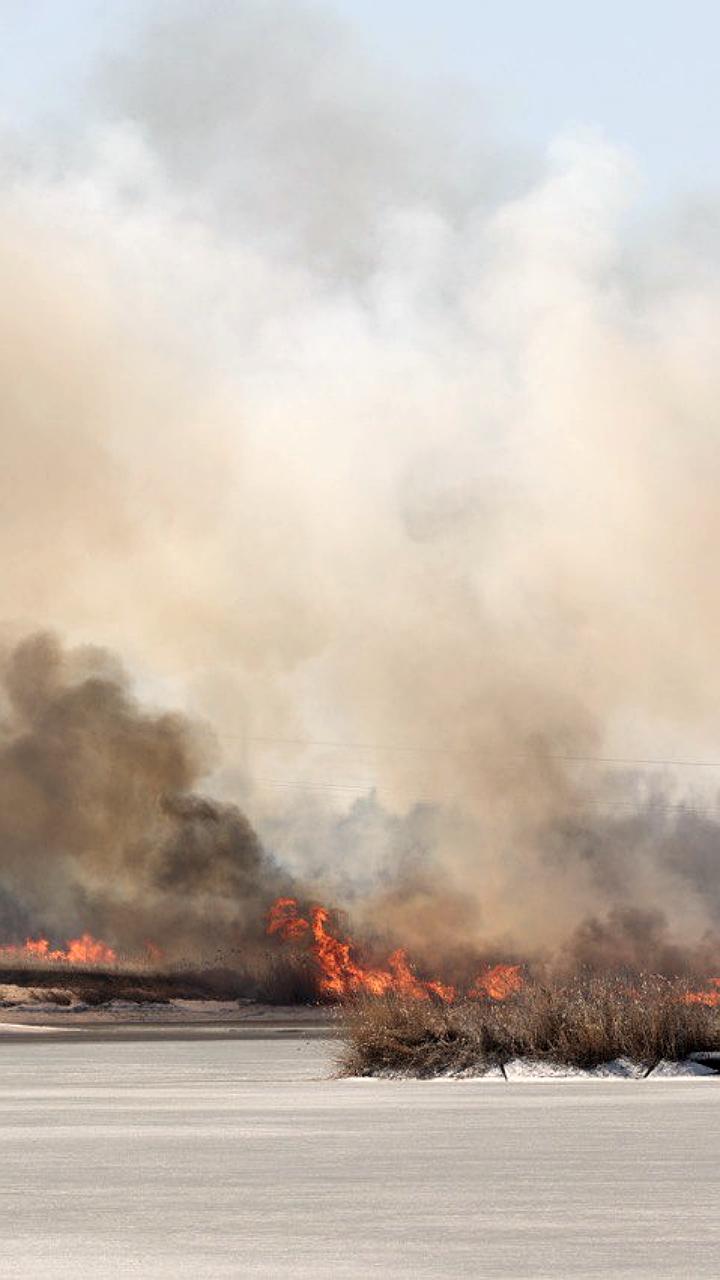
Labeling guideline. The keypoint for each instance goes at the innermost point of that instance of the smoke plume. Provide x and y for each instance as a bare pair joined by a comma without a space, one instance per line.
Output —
389,451
98,826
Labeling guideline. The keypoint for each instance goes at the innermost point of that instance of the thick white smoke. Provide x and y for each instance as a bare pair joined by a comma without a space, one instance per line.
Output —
343,426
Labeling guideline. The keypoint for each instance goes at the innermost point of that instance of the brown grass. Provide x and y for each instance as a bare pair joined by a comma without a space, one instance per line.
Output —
285,979
581,1023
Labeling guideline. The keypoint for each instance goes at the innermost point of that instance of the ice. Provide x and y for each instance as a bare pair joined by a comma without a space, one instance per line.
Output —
177,1159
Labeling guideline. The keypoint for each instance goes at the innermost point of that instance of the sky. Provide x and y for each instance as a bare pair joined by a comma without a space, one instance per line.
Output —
643,74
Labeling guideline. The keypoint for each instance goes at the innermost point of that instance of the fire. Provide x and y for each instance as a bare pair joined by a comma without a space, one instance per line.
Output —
284,920
709,998
341,974
83,950
89,950
498,982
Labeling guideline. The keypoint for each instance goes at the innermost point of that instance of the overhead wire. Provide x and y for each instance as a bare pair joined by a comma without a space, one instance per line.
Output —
446,750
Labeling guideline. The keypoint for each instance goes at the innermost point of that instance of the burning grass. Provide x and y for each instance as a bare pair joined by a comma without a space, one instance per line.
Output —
580,1023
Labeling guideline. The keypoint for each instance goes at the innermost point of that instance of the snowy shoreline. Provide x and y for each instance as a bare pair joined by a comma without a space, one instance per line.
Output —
527,1071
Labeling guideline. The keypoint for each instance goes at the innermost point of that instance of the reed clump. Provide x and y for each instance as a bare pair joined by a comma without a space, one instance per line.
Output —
583,1022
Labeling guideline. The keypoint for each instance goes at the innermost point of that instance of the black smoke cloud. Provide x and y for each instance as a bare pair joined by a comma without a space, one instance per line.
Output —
100,828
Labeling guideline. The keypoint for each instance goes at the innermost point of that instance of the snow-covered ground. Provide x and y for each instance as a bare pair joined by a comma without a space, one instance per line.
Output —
244,1158
529,1071
523,1070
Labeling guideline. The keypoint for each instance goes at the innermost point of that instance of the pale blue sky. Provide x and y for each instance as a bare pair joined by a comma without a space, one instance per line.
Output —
643,72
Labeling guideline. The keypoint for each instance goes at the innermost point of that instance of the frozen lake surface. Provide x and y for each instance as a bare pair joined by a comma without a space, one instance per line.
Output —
218,1157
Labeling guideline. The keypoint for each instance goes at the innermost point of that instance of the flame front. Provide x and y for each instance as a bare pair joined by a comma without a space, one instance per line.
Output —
340,974
709,998
83,950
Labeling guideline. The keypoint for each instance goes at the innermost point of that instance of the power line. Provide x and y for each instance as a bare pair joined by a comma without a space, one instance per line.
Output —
450,751
447,751
609,807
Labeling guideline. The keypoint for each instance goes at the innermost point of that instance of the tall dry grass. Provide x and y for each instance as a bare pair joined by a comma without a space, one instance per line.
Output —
581,1023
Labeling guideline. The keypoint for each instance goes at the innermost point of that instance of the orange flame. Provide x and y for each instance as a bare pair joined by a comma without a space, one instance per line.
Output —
709,998
83,950
498,982
341,974
284,920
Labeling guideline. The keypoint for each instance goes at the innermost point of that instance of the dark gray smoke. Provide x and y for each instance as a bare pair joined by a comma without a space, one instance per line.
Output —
100,829
631,940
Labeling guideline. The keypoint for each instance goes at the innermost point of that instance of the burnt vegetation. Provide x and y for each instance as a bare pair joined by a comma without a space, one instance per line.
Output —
275,980
582,1022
